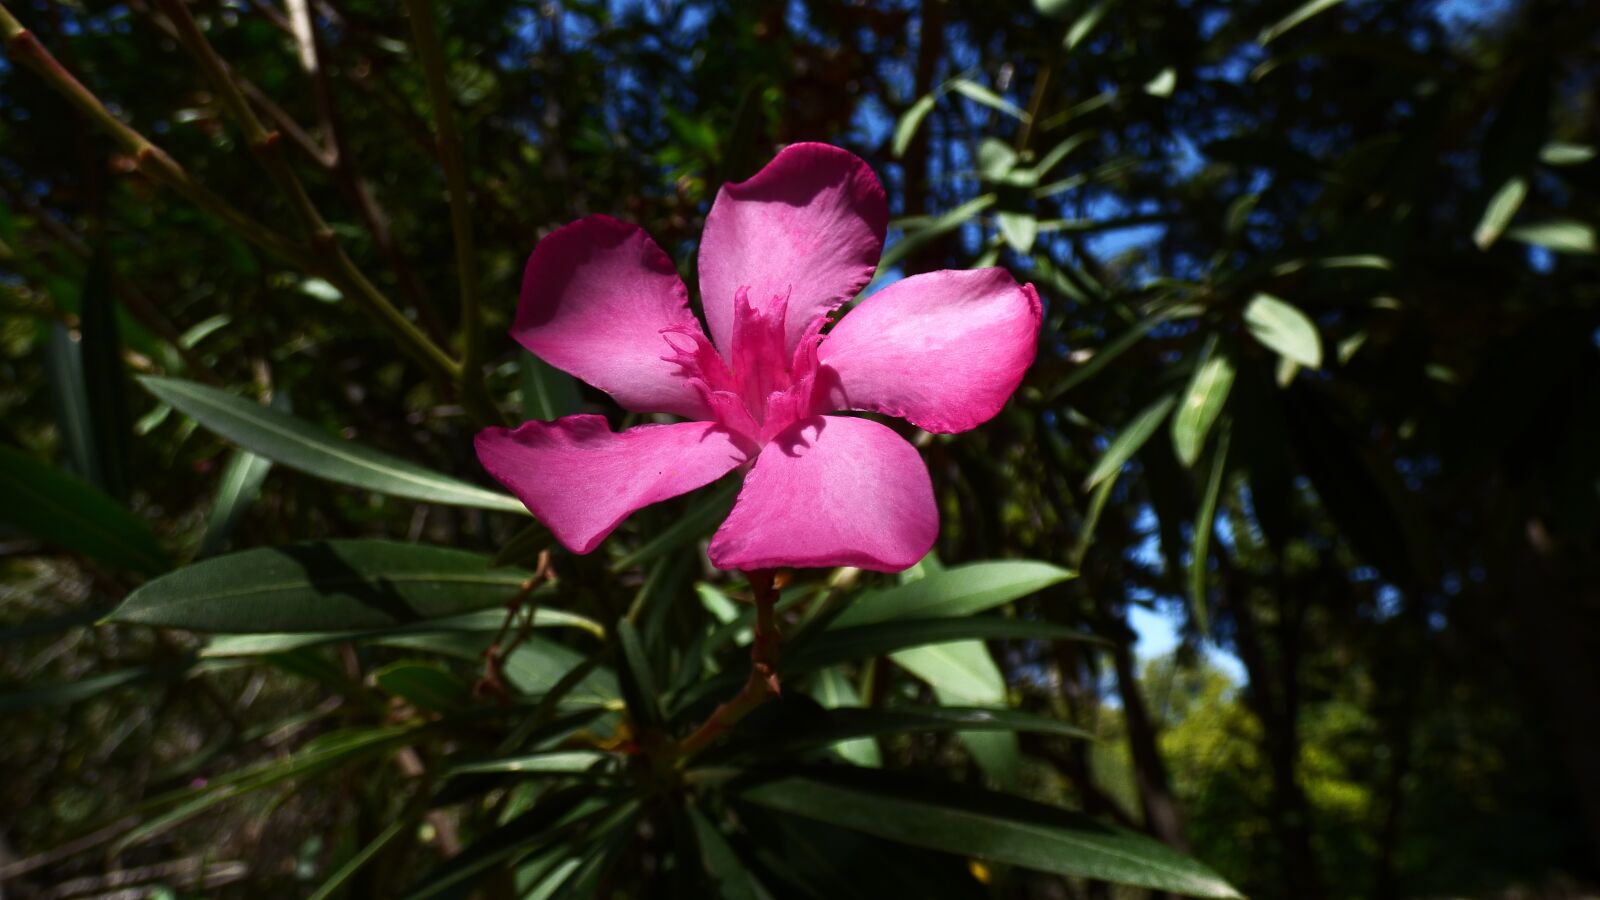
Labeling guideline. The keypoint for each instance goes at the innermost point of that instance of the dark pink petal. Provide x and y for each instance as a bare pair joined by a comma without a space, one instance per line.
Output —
581,479
596,296
831,491
809,227
942,350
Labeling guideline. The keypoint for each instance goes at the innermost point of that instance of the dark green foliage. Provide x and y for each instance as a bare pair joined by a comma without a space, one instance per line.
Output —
1318,384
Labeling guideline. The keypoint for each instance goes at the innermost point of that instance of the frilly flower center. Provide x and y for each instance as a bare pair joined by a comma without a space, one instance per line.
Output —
760,389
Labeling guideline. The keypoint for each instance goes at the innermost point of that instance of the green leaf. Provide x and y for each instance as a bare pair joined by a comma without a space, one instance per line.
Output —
980,94
1204,524
1110,351
1302,13
1561,153
840,645
69,398
423,685
905,130
834,691
1497,215
323,753
68,692
1238,215
958,591
304,447
537,666
40,500
1202,402
547,392
554,762
354,864
638,681
524,546
854,724
1560,235
1055,9
731,877
1085,25
961,672
1281,327
1019,229
932,230
325,586
553,817
996,159
487,621
992,827
1130,439
706,510
241,482
1163,83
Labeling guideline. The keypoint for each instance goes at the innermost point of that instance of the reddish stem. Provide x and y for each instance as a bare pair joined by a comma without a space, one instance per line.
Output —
763,682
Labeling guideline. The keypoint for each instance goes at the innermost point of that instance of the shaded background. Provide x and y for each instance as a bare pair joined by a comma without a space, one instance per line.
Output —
1379,676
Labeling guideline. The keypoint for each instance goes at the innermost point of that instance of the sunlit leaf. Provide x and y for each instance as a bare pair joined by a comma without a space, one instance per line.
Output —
992,827
1201,402
1560,235
1281,327
959,591
327,586
980,94
300,445
1301,14
1130,439
905,130
1497,215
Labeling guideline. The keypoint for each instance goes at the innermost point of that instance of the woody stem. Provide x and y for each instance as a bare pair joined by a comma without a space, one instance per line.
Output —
761,686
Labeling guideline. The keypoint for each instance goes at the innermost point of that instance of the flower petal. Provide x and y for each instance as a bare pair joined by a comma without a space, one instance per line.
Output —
596,296
942,350
808,226
582,479
831,491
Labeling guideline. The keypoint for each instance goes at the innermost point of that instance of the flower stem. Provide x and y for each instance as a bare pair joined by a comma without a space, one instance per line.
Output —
763,682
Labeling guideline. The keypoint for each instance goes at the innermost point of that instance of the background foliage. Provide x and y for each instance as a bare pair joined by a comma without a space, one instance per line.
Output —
1317,385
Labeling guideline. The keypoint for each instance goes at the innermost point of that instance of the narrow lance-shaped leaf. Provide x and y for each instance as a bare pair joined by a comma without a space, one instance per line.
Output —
300,445
905,131
42,501
958,591
1130,439
1085,25
326,586
547,392
1202,402
69,398
1204,522
1497,215
1281,327
241,483
987,826
1300,14
980,94
1560,235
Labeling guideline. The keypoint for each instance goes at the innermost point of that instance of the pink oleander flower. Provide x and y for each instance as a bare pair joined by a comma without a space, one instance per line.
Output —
780,251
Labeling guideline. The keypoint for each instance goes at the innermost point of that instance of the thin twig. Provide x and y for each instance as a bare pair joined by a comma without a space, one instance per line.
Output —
22,47
266,145
425,36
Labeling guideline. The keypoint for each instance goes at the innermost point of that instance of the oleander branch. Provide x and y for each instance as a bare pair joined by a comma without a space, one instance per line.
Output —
448,139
